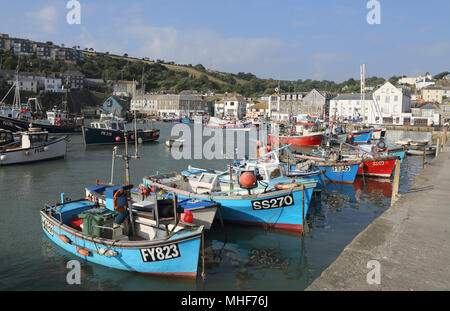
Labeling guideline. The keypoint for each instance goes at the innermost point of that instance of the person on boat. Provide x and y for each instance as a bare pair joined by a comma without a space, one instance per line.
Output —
120,205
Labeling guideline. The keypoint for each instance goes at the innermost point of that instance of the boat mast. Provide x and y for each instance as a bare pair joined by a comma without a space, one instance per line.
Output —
363,94
16,102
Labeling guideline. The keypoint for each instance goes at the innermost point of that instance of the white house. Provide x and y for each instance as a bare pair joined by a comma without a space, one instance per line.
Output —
145,103
387,105
26,84
349,107
413,80
391,103
53,85
233,107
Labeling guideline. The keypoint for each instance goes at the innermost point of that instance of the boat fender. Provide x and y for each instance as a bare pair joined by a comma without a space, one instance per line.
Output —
107,252
27,153
83,252
287,185
187,217
64,238
118,194
45,148
3,157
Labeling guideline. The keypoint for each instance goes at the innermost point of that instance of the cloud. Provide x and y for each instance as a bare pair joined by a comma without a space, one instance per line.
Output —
47,16
258,55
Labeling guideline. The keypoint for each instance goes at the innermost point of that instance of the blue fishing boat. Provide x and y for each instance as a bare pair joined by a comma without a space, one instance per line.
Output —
251,201
112,230
362,136
154,245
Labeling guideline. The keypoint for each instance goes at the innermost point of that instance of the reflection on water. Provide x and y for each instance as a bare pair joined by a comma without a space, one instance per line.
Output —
241,258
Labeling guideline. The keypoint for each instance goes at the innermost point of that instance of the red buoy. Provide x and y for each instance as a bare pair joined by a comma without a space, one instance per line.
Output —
247,179
268,148
187,216
258,143
145,191
117,138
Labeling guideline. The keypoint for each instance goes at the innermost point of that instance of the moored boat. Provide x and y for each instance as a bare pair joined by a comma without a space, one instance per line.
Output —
277,206
158,246
113,132
34,146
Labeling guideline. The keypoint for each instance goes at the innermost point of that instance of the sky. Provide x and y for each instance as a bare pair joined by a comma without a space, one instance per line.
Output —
284,39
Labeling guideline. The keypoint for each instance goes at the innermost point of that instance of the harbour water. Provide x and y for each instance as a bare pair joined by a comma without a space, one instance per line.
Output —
239,258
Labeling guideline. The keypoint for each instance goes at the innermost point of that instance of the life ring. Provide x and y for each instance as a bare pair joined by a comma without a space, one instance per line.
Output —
119,193
287,185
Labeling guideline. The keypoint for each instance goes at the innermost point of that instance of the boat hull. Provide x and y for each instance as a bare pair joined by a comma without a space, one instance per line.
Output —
94,136
15,125
345,174
362,137
377,167
240,210
55,149
298,141
128,257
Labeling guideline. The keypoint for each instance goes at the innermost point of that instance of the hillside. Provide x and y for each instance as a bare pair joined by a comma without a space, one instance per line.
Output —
160,75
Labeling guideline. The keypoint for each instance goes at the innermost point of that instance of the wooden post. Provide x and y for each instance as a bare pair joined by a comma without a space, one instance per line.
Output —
438,146
304,224
396,183
424,157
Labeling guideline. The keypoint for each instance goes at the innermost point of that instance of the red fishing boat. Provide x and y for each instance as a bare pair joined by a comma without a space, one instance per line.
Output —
381,166
314,139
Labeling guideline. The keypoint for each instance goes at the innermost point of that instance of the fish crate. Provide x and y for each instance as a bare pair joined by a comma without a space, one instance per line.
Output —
98,217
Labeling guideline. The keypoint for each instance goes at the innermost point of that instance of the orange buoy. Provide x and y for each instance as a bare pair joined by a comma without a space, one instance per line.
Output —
83,252
268,148
117,138
247,179
187,216
64,238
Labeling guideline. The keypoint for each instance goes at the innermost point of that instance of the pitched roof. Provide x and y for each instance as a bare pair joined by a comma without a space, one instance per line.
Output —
353,96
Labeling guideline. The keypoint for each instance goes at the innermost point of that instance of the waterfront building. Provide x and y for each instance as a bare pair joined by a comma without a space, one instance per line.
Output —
115,105
445,111
257,110
391,103
124,88
349,107
145,103
183,105
435,93
317,104
425,114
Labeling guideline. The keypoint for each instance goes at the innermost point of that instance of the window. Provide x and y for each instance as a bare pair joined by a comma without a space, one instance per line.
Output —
396,98
387,99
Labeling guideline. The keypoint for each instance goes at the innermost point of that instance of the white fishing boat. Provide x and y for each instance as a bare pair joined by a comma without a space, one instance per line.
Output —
172,142
34,146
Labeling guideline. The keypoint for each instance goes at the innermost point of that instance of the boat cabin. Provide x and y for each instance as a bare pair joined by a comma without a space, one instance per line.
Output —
33,138
56,116
6,137
109,125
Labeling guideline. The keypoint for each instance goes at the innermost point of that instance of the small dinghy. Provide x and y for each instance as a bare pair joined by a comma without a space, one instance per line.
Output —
34,146
172,142
419,152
